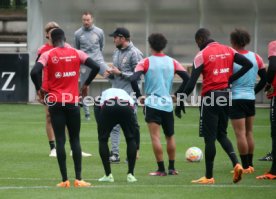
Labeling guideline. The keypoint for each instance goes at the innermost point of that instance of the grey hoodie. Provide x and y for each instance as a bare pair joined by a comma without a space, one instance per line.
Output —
91,41
125,60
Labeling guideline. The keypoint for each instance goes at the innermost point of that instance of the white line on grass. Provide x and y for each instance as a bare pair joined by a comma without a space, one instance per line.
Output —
37,179
94,124
146,186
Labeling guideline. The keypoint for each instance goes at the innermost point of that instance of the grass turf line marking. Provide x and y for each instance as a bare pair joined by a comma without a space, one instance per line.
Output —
147,186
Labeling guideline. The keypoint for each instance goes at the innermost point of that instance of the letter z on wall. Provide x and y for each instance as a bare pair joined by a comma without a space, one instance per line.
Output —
14,77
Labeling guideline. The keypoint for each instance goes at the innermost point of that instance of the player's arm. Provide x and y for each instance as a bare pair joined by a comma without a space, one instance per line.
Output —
185,78
261,84
95,68
140,69
102,41
189,87
77,42
181,72
196,71
37,58
134,83
36,75
271,71
244,62
136,89
262,74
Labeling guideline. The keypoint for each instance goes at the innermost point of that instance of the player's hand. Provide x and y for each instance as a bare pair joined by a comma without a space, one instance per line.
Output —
114,70
269,89
107,73
40,96
141,100
174,98
180,106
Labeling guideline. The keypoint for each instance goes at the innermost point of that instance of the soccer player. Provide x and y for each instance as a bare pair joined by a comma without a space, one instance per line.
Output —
159,70
125,58
242,110
215,63
61,67
271,94
116,107
90,39
49,129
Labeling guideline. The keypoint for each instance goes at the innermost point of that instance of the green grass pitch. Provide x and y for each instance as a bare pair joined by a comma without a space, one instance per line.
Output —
26,171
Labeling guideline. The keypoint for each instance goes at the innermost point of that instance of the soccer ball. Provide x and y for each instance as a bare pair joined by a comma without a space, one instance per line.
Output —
194,154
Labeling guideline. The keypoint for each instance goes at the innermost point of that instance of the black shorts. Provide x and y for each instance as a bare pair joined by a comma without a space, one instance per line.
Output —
109,116
242,108
213,118
163,118
65,115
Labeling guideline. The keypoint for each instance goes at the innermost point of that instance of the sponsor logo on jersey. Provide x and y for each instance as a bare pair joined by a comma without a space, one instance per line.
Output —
58,75
65,74
213,58
220,71
215,71
69,74
224,70
67,58
55,59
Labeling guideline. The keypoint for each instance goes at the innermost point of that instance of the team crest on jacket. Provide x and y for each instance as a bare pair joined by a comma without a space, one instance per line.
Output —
58,75
124,60
215,71
55,59
94,38
212,58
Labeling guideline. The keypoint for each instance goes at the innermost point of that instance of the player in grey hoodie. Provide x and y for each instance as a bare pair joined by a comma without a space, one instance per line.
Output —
90,39
125,58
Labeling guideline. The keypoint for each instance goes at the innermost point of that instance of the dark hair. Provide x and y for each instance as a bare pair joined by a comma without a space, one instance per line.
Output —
88,13
157,41
57,36
240,37
202,34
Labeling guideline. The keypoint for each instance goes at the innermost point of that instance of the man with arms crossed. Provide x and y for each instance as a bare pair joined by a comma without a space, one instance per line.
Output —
90,39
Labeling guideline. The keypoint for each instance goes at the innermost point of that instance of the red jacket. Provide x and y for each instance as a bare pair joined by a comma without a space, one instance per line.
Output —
217,61
61,73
